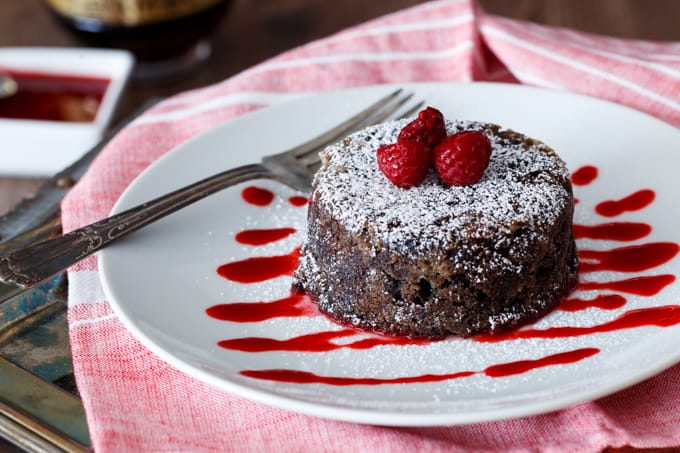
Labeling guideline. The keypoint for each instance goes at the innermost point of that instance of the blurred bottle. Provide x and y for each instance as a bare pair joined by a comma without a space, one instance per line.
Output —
167,37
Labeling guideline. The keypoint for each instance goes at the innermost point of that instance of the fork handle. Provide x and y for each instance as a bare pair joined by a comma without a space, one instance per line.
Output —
34,264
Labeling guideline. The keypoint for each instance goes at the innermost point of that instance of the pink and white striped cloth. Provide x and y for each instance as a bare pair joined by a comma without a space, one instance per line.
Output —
136,402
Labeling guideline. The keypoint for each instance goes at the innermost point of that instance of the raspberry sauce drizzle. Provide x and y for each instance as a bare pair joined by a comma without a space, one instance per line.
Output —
641,286
633,202
294,306
627,259
584,175
522,366
305,377
615,231
632,259
297,201
602,301
263,236
257,196
493,371
315,342
665,316
260,268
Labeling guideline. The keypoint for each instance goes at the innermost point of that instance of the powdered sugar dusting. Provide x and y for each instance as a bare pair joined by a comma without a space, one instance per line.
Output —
518,189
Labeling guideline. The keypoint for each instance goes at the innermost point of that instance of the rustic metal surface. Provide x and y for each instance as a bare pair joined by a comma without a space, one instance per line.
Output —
38,415
39,406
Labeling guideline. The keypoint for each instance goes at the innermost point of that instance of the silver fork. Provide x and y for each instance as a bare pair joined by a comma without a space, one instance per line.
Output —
26,267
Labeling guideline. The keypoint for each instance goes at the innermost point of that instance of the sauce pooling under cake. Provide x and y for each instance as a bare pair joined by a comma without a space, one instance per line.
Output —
432,259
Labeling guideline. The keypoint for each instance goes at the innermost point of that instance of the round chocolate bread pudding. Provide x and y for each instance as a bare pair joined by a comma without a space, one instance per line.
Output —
434,260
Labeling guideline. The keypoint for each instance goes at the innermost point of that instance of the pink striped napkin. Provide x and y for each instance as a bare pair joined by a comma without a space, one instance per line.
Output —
136,402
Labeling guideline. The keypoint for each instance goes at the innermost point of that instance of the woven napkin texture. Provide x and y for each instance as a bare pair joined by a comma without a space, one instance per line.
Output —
137,402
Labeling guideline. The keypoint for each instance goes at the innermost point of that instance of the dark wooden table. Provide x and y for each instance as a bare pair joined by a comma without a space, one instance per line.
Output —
255,30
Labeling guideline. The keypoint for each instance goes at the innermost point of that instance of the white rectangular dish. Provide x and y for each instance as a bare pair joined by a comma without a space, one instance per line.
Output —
41,147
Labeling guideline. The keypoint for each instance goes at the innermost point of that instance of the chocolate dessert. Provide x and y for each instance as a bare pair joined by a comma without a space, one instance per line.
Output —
435,259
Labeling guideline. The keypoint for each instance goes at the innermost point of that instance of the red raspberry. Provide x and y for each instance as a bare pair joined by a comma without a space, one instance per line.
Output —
461,159
428,129
405,163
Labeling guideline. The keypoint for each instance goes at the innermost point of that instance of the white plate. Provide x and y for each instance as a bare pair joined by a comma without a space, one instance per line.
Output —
41,148
161,280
